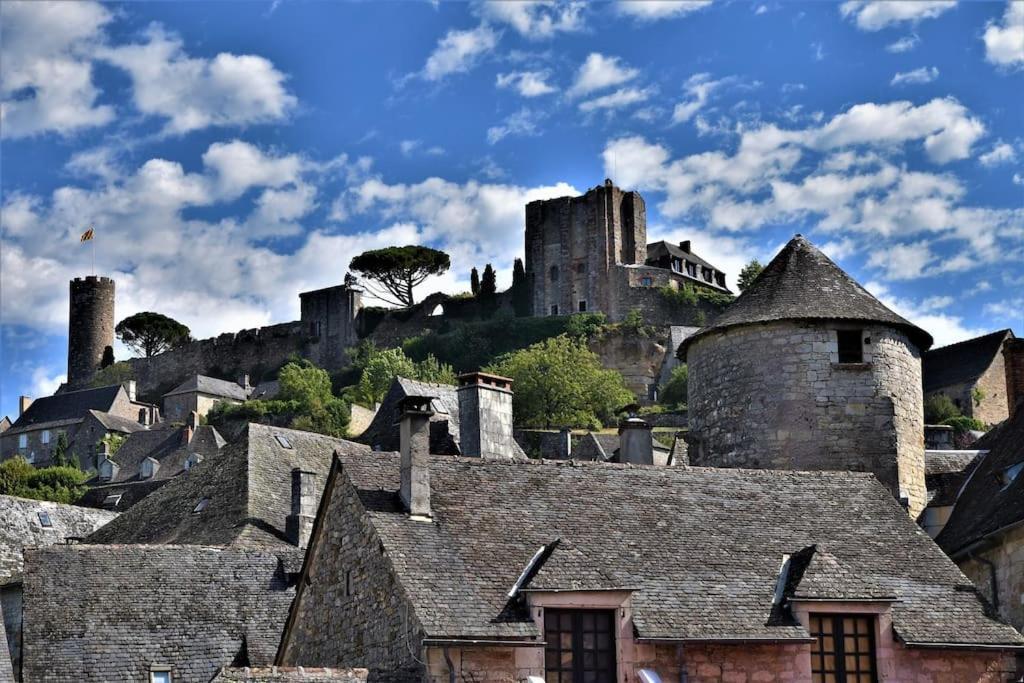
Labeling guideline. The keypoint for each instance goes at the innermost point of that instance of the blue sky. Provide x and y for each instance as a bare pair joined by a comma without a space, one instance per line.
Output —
232,154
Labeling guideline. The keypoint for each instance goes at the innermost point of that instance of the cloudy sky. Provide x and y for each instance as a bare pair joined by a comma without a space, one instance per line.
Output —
232,154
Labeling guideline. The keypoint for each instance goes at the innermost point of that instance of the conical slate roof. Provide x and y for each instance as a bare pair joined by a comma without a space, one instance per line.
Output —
801,283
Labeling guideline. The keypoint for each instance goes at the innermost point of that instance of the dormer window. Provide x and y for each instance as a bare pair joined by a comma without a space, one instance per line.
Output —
192,460
851,348
843,650
148,468
691,269
706,274
201,505
44,519
160,676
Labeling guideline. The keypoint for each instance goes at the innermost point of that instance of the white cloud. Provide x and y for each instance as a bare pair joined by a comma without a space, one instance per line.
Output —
523,123
904,44
195,92
526,83
46,82
599,72
656,10
945,328
1001,153
903,261
1011,310
616,100
818,51
45,381
239,165
874,15
924,74
698,89
761,9
1018,179
459,51
1004,43
535,19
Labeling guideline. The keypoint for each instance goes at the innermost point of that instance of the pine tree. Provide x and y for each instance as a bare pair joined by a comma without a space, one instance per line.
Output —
474,282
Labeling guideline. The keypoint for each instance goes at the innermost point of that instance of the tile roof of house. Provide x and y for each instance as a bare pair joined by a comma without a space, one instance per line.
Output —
987,504
964,361
5,424
118,496
382,434
701,547
116,423
212,386
165,443
98,613
67,406
248,484
945,472
801,283
21,527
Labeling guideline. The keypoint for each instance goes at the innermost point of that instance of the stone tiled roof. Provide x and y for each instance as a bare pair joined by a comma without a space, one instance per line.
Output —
287,674
119,496
964,361
106,613
212,386
70,405
674,250
21,527
166,444
700,547
116,423
816,574
987,504
945,473
801,283
248,485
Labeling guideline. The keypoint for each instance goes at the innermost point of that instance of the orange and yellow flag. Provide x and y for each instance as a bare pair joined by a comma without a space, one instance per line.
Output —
86,236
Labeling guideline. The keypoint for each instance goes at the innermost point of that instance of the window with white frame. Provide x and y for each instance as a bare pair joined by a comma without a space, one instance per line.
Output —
45,436
22,440
160,676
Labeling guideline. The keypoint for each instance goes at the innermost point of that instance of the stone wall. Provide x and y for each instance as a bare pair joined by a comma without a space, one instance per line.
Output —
774,396
10,609
357,615
638,359
993,407
1008,558
1013,362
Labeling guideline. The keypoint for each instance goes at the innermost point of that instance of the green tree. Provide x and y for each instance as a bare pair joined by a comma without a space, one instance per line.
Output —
938,408
489,289
395,271
474,281
748,274
60,450
151,333
387,364
674,392
560,382
118,373
108,357
58,484
316,408
520,290
113,441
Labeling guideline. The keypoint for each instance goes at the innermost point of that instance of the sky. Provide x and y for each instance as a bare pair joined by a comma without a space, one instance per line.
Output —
231,154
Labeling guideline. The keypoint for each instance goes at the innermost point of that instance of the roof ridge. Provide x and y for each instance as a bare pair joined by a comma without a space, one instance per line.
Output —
972,340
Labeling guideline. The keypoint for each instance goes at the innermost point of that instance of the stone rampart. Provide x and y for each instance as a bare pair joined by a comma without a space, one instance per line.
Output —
774,396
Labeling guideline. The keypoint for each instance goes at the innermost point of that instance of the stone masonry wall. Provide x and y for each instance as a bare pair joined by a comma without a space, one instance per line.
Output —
774,396
1008,558
90,327
372,625
637,359
993,407
486,412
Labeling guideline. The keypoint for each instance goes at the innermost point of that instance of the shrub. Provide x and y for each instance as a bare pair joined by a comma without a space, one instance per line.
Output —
938,408
117,373
962,424
60,484
674,392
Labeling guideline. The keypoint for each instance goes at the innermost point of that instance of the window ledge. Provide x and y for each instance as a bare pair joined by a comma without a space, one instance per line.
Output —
852,367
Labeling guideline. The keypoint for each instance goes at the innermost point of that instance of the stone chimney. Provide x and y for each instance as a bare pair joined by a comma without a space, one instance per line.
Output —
299,524
565,443
243,381
414,438
23,403
130,386
191,424
1013,360
685,246
636,446
485,416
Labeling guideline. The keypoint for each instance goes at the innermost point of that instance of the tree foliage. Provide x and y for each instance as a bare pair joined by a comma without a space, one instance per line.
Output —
674,391
113,441
520,290
560,382
151,333
118,373
60,451
384,365
395,271
474,281
488,289
61,484
938,408
748,274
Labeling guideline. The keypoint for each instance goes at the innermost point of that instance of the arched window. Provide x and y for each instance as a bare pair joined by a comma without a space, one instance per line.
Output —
438,310
554,273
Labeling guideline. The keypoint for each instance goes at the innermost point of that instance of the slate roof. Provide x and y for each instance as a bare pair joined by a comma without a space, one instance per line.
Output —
212,386
801,283
673,249
962,362
945,472
382,434
700,547
119,497
986,505
116,423
248,484
67,406
106,613
816,574
165,443
20,527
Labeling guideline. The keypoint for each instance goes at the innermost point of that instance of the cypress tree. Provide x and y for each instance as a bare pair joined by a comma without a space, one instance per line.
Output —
520,290
474,282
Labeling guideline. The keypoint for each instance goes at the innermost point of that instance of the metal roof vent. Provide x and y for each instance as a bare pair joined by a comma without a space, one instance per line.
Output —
281,439
201,505
44,519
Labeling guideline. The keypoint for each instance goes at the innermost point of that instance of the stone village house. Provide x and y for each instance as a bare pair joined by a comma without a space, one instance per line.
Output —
972,374
444,568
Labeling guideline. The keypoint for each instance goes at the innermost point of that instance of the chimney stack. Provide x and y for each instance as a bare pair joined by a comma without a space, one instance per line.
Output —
636,445
485,416
685,246
130,387
23,403
299,524
1013,361
565,443
414,436
243,381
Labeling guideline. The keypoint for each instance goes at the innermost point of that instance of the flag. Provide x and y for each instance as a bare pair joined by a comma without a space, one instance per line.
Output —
86,236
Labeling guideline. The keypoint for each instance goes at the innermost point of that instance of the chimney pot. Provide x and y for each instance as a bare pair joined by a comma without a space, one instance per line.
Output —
23,403
1013,362
485,416
414,437
299,524
636,445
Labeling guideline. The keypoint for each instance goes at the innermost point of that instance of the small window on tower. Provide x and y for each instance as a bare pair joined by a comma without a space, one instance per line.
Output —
581,268
851,349
583,307
554,309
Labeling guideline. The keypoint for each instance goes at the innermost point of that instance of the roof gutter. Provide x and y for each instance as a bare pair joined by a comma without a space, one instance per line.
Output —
963,646
469,642
725,641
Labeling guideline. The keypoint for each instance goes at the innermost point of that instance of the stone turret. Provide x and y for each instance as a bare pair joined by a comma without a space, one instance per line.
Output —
90,327
808,371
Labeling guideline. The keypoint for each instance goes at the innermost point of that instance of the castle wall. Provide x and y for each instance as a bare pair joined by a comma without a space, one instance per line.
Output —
774,396
639,288
90,327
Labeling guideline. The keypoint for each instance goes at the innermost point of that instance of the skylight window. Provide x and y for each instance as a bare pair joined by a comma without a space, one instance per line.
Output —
112,500
201,505
283,441
44,519
1007,476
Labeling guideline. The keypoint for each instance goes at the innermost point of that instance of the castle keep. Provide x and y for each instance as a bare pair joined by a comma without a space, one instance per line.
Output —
90,327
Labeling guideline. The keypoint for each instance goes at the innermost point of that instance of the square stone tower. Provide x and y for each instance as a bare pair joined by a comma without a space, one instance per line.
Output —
574,243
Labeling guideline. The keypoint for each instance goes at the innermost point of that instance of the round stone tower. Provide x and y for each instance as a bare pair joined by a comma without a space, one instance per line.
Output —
808,371
90,327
